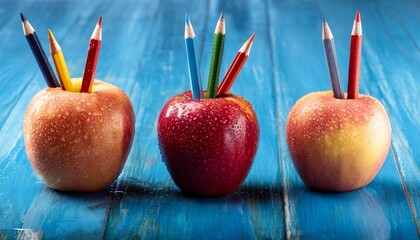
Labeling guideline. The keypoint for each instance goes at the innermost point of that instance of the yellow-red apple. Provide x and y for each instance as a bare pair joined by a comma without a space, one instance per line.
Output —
338,144
79,141
208,145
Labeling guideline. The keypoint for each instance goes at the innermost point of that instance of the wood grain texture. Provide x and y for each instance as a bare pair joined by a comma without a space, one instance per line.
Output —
143,54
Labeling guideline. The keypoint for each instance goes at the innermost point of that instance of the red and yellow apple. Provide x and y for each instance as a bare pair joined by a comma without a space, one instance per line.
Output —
79,141
208,145
338,144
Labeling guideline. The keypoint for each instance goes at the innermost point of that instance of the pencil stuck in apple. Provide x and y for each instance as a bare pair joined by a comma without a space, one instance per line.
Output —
60,63
194,73
235,67
330,54
92,58
216,57
355,57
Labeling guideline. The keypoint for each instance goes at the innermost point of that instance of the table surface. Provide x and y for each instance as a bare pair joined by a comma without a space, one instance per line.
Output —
143,53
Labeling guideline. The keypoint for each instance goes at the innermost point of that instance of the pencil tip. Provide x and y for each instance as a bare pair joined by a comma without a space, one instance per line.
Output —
187,19
324,21
252,37
222,16
22,17
357,18
100,22
50,35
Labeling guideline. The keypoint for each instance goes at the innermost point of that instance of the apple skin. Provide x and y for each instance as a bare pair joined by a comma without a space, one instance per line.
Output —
79,141
208,145
338,144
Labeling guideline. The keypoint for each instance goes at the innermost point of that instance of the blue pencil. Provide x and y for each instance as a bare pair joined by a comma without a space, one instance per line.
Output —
192,63
39,53
331,55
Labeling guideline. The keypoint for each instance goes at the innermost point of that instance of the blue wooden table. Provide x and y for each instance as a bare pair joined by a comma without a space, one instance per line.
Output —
143,54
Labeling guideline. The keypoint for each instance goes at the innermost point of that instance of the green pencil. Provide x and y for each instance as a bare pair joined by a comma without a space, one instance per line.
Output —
216,57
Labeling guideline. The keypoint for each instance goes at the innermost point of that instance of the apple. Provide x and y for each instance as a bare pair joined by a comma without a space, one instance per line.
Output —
79,141
338,144
208,144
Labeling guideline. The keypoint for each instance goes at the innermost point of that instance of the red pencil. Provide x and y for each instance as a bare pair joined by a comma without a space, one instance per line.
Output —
235,67
355,55
92,58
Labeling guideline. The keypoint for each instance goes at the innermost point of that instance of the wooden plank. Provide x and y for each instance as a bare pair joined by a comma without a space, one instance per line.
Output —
379,210
402,97
148,204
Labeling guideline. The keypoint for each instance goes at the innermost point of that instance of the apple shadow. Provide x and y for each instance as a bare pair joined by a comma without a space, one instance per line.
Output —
354,214
56,214
169,210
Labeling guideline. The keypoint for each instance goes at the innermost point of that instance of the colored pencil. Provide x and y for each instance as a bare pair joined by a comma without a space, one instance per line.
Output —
330,53
355,56
195,80
235,67
39,53
92,58
216,57
60,63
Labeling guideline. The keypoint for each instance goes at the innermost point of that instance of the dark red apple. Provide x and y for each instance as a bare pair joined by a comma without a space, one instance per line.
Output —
208,145
79,141
338,144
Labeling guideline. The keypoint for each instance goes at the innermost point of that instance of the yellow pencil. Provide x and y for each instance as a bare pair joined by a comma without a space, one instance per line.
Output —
60,64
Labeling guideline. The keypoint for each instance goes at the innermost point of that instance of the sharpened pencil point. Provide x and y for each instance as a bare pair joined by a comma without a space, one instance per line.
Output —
220,27
252,37
100,22
50,35
22,17
222,17
246,48
326,31
357,18
187,19
324,21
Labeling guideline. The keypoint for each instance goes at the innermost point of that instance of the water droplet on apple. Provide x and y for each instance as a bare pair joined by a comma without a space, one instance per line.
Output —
63,139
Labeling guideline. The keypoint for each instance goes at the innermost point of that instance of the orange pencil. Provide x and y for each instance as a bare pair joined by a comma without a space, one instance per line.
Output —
355,55
235,67
92,58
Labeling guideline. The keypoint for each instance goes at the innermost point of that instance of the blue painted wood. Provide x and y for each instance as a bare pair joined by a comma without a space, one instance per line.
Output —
143,53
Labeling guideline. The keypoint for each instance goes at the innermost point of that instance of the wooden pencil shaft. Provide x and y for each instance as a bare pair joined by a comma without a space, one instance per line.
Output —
216,61
354,66
193,69
231,74
90,67
60,63
42,60
62,71
333,68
